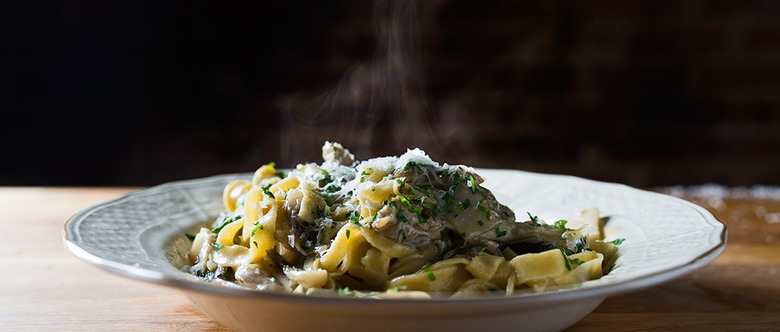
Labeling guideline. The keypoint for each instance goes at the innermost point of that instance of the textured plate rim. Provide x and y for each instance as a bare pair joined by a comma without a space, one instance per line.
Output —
549,297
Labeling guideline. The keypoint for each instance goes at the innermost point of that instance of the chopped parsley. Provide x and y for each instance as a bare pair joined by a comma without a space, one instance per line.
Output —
617,241
463,205
217,246
428,192
580,245
401,234
430,275
472,184
427,265
455,181
409,165
439,212
346,292
485,212
443,172
534,219
448,198
561,224
353,217
226,221
483,250
258,226
420,218
268,192
207,275
327,197
401,185
565,259
321,213
401,216
190,236
347,233
499,232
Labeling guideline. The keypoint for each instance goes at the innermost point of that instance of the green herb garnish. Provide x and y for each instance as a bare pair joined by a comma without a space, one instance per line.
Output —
257,227
401,216
363,175
226,221
401,234
427,265
534,219
408,166
438,212
353,217
561,224
485,212
565,259
346,292
449,197
268,192
472,184
401,185
463,205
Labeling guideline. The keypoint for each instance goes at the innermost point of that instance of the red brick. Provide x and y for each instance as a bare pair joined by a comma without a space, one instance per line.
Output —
738,77
727,9
602,37
762,38
761,112
606,8
678,41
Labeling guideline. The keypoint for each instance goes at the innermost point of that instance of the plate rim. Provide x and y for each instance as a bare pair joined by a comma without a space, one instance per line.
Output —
541,298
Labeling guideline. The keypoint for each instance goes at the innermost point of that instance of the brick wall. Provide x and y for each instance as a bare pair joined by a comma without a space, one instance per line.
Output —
641,92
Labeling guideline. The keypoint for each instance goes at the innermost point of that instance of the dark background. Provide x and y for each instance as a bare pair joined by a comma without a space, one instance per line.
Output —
647,93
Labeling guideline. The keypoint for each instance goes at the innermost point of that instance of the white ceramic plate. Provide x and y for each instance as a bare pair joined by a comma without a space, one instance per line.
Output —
141,234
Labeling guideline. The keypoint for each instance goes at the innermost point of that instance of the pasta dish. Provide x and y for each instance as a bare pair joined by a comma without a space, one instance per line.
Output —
386,227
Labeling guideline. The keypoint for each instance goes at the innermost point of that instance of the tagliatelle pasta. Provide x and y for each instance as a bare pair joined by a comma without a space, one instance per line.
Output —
389,227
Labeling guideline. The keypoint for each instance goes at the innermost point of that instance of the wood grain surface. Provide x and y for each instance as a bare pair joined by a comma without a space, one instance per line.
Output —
44,287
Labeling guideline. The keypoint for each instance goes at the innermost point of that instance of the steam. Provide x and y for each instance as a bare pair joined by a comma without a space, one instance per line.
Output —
378,107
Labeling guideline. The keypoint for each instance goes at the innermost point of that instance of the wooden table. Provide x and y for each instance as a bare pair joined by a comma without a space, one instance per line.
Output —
43,286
